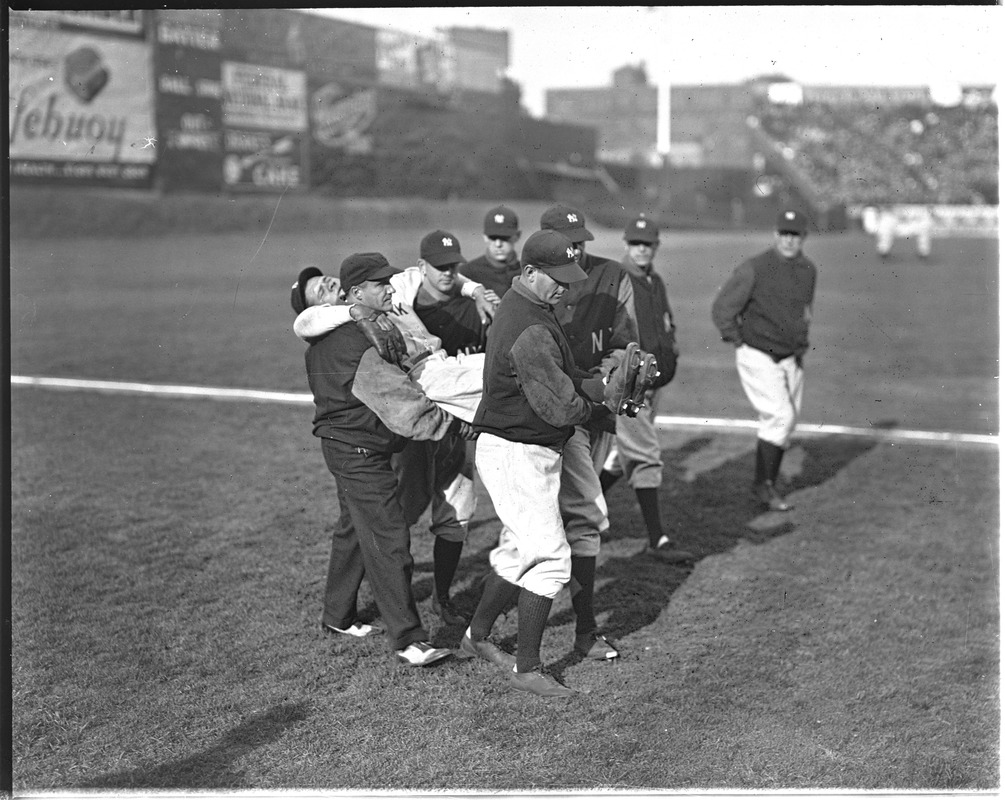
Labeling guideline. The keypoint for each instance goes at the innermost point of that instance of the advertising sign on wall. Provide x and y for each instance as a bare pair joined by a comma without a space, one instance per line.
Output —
189,99
80,104
265,119
342,137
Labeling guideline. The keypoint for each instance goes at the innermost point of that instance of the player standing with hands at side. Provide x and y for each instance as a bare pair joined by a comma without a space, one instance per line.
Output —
764,310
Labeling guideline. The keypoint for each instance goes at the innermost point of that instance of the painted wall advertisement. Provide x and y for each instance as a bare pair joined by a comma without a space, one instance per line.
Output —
265,125
81,100
189,99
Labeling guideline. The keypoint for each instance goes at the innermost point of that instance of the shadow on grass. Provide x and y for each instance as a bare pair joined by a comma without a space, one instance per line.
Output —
708,515
211,768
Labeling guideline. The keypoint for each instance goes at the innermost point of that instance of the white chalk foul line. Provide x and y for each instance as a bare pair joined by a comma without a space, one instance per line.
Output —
303,398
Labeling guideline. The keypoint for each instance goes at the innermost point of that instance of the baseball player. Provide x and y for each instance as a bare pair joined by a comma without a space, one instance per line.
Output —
597,315
636,453
365,410
498,265
889,226
764,310
431,472
534,397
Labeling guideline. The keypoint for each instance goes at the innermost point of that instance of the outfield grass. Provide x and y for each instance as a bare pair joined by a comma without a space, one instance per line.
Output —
169,555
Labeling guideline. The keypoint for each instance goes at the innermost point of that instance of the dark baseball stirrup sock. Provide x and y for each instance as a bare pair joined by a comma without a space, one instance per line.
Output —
497,595
649,503
532,616
446,557
772,460
607,480
584,570
760,472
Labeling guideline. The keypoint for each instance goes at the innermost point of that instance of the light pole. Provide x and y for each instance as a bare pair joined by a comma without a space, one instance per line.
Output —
661,49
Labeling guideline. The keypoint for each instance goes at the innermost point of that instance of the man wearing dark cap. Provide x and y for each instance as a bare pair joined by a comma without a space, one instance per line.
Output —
764,310
534,397
365,411
598,316
498,265
637,454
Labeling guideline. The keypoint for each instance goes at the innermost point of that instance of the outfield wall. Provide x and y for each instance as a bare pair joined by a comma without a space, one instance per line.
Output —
248,101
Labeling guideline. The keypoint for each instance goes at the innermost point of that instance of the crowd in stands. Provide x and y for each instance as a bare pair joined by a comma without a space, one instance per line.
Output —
860,155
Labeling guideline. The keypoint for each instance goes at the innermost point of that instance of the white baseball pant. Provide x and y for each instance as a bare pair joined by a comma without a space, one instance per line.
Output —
775,390
523,482
454,383
636,453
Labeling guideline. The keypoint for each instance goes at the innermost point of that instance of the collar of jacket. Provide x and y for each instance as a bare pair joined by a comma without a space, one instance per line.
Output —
634,270
524,292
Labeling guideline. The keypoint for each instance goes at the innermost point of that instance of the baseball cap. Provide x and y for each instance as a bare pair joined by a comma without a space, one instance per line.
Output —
553,253
568,221
791,222
297,299
501,221
642,229
440,248
361,267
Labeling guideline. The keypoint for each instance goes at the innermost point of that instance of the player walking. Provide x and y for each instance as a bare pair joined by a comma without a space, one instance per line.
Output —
636,453
764,310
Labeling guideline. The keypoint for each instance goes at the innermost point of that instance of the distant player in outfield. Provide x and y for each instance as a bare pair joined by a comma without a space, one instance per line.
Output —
889,226
764,310
598,317
498,265
636,453
442,328
365,411
534,396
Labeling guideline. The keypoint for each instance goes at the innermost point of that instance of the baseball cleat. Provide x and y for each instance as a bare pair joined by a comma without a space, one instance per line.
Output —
539,683
621,381
483,648
769,496
596,646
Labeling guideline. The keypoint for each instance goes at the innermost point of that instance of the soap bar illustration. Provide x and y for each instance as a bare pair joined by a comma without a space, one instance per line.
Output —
84,73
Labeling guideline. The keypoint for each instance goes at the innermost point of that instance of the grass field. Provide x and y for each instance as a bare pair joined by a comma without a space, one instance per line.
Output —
168,555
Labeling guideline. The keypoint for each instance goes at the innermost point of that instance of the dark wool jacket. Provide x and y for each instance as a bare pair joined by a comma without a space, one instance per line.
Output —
657,332
767,303
486,272
362,400
598,314
531,381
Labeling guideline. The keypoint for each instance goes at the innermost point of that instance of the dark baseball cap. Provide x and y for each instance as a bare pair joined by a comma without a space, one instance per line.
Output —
501,221
297,299
567,221
361,267
790,221
552,252
440,249
642,229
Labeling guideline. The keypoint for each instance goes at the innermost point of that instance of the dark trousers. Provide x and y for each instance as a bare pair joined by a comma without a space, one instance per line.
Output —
370,537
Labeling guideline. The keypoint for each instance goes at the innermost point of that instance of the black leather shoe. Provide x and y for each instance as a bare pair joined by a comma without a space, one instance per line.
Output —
665,550
596,646
539,683
486,650
770,498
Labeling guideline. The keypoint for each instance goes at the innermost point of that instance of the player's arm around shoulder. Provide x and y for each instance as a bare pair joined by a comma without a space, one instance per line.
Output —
399,403
550,391
318,320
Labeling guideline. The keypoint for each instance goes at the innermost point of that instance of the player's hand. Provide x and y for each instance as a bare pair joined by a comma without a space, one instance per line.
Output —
464,429
486,301
381,333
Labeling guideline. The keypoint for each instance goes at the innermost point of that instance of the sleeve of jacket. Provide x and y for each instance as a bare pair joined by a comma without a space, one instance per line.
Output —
730,302
319,320
400,404
551,393
407,282
626,325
